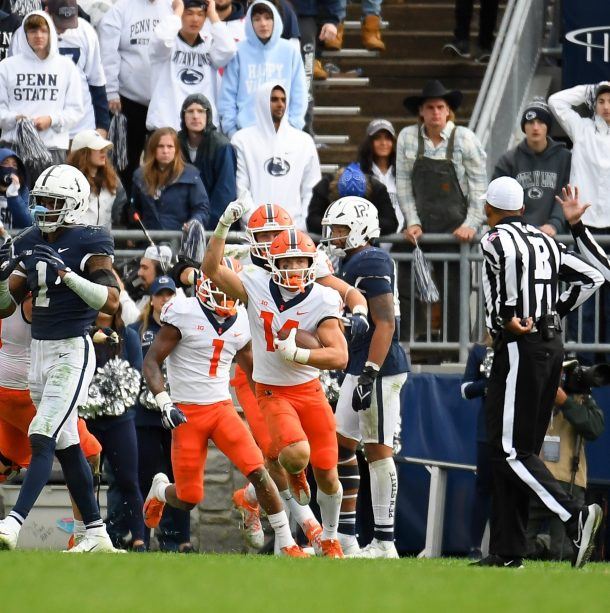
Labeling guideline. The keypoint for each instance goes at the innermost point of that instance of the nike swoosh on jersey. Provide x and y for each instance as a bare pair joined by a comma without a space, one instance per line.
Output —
62,249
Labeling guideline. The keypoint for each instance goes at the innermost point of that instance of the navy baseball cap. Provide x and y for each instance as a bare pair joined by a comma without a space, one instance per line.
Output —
161,283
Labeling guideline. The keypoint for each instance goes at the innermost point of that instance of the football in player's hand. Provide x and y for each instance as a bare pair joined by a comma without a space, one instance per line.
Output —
303,339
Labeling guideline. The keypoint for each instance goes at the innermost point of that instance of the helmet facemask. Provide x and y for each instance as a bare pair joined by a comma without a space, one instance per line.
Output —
213,299
293,278
46,213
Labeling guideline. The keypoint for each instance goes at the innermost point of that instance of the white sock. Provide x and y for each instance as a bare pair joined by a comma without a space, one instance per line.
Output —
13,522
250,495
279,523
79,528
330,505
300,513
285,495
384,486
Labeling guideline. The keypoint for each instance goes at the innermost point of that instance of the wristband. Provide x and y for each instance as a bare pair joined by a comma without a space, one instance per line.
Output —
372,365
360,309
94,294
162,399
302,355
221,231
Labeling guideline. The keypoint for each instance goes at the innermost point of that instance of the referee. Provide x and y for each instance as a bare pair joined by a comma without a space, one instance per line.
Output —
522,269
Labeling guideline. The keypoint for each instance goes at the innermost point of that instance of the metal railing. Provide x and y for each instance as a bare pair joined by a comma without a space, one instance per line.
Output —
424,334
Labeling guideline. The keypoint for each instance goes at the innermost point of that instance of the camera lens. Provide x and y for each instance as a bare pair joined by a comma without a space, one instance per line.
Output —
6,180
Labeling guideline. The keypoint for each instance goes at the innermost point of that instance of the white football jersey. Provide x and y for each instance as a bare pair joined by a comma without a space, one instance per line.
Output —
198,369
15,341
269,312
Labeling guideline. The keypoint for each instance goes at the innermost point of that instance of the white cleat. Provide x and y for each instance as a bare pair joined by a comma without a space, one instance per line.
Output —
377,549
350,547
9,534
98,542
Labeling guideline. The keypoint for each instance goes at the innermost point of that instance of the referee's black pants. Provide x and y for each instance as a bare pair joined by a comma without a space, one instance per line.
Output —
520,396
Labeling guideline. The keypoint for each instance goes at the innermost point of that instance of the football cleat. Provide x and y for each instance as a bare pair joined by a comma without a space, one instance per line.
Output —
74,540
96,541
349,545
313,532
9,533
294,551
253,530
376,549
299,488
331,548
589,521
153,507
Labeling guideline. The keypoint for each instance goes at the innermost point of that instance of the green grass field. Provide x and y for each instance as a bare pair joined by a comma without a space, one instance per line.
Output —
47,582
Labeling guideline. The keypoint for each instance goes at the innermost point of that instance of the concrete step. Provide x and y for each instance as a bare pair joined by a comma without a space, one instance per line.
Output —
356,24
336,110
382,101
342,82
331,139
329,169
350,53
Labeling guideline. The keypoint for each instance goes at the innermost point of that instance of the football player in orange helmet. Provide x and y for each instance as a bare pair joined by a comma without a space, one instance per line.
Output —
299,418
214,299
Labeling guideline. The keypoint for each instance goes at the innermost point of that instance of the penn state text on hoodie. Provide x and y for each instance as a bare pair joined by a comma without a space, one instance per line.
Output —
179,69
280,167
256,63
33,87
125,32
81,45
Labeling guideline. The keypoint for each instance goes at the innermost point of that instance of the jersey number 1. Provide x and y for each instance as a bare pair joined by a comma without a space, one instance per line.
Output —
218,345
267,317
42,300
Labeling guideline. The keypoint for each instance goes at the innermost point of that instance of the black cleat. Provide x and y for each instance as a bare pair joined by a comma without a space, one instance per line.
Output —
499,561
458,48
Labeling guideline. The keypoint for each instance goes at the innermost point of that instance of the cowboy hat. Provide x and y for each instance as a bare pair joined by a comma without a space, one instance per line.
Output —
433,89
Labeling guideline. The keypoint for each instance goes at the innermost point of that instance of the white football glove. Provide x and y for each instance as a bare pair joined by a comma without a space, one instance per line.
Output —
234,210
288,349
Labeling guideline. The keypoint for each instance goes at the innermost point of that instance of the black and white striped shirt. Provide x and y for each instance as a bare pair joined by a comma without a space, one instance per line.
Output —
522,269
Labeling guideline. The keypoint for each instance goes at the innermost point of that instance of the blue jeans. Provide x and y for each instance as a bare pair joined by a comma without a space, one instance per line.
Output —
369,7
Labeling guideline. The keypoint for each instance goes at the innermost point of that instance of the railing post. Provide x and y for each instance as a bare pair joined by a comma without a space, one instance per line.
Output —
464,300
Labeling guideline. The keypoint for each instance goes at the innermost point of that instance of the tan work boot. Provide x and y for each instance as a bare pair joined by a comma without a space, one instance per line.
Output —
336,43
371,36
319,74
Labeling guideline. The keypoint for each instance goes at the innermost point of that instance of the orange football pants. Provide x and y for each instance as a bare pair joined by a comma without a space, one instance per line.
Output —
253,413
300,413
220,423
16,412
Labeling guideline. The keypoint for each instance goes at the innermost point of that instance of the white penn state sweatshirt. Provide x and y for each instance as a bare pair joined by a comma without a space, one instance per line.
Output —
33,87
276,167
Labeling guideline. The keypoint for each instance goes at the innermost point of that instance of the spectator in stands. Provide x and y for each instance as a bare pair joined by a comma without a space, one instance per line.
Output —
22,7
263,56
474,387
276,163
591,174
155,262
351,181
78,40
460,45
9,22
440,178
107,199
154,441
167,193
184,63
125,32
370,29
209,151
41,85
117,433
14,194
542,167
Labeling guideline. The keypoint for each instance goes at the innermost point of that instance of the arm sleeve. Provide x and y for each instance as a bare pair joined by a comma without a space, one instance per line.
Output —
129,311
73,109
586,417
473,385
227,101
404,186
109,33
7,114
163,38
561,104
298,92
311,175
388,223
582,279
223,46
18,208
590,250
99,100
474,160
242,178
224,189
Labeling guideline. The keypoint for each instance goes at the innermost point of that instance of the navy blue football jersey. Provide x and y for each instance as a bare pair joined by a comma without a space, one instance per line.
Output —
372,271
58,312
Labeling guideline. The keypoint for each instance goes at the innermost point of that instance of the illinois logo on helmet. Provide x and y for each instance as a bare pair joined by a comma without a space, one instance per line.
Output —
292,244
268,220
211,297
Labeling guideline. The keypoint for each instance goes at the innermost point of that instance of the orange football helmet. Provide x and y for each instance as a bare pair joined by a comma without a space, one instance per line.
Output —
214,299
293,244
266,218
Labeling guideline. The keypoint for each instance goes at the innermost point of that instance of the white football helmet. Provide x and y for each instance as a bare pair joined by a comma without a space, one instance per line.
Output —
359,215
59,197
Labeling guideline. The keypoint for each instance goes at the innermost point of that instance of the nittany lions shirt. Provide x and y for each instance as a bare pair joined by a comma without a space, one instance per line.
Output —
179,69
59,313
373,272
